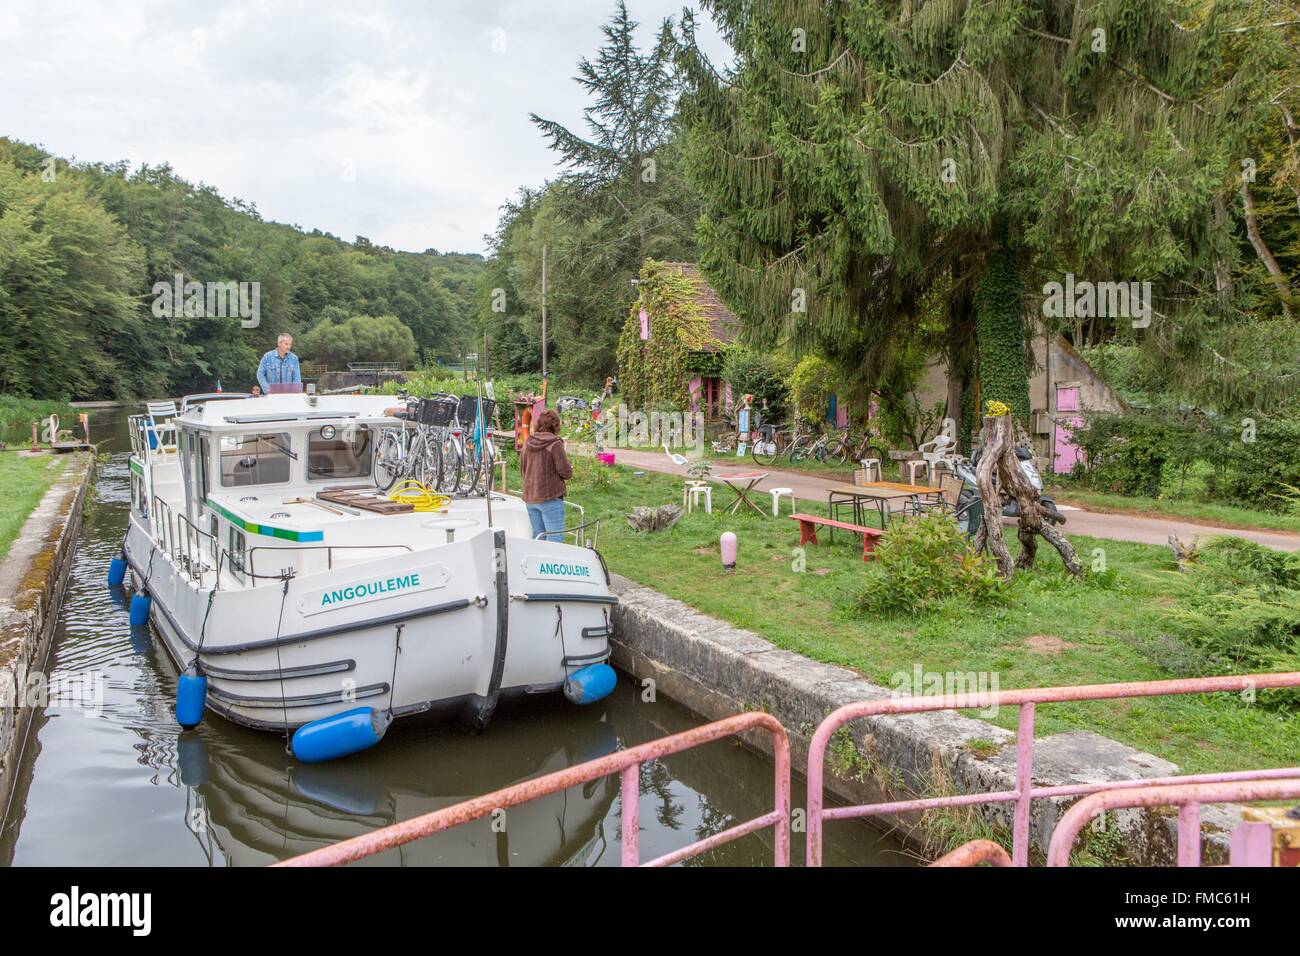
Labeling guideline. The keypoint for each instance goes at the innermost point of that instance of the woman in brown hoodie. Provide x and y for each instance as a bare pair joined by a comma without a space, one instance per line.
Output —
544,467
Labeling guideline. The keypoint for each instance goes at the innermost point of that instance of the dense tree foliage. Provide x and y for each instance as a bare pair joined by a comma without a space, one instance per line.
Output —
858,155
83,245
339,338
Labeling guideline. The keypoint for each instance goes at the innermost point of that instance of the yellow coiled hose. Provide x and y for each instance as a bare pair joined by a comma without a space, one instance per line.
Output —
418,496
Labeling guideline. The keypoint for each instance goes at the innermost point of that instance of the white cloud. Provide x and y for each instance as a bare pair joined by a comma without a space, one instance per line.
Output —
405,121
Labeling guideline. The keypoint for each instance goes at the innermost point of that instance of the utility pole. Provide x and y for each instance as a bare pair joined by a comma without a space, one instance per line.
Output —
543,310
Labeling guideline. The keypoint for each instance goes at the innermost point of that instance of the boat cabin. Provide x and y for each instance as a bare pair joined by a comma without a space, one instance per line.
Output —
249,488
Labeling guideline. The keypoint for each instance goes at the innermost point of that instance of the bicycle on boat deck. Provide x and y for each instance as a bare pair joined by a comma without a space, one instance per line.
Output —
444,443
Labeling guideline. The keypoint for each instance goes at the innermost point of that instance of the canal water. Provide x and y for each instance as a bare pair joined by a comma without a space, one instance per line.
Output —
113,781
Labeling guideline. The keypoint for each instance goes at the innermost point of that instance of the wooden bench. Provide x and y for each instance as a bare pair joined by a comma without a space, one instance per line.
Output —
808,531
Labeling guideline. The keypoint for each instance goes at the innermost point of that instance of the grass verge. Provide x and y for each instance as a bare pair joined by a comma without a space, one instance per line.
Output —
23,481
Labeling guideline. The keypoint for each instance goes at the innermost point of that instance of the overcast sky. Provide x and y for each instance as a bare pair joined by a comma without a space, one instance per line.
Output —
405,121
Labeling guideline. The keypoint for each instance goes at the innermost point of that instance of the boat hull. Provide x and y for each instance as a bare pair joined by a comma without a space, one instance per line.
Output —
442,631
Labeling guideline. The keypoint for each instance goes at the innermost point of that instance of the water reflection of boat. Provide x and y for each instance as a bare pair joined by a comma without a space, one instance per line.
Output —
254,804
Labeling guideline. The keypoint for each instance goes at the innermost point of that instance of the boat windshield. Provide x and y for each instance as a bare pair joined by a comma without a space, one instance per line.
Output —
339,452
255,459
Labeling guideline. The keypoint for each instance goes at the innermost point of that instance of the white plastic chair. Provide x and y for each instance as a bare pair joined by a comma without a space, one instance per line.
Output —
941,449
776,500
693,491
161,424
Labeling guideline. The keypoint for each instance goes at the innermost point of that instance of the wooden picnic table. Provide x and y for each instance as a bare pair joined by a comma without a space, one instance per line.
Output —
880,493
732,479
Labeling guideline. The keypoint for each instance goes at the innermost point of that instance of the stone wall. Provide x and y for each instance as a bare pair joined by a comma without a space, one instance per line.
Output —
32,577
718,670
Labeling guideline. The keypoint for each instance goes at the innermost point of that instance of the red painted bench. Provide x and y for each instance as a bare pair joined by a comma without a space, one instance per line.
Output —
808,531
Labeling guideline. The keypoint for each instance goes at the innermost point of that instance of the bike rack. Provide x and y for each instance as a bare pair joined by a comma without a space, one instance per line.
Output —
627,764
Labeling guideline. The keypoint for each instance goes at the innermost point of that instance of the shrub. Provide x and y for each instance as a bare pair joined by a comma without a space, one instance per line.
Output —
923,561
763,376
1257,462
1243,613
1125,453
811,385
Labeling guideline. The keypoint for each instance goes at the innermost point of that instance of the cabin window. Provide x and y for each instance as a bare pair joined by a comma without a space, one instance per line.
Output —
137,496
238,546
255,459
205,483
338,452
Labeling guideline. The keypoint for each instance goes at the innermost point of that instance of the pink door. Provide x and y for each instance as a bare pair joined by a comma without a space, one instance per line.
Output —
1067,453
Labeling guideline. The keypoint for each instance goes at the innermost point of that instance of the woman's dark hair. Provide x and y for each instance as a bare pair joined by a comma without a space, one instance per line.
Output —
547,421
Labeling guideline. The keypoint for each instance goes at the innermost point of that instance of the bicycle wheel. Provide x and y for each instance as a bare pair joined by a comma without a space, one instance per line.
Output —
449,455
473,468
767,449
388,461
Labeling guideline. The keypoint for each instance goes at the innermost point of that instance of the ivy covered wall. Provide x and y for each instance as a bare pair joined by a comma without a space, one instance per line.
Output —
656,372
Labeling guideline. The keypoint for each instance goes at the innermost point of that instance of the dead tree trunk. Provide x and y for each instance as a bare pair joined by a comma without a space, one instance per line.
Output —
998,458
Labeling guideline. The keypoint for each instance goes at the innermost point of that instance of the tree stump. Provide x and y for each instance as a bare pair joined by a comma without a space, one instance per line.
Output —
998,458
644,518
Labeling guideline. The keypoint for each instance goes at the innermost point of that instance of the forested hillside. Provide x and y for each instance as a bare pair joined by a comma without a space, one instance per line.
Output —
83,244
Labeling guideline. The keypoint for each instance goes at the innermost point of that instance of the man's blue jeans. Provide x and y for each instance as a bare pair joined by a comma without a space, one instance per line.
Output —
547,516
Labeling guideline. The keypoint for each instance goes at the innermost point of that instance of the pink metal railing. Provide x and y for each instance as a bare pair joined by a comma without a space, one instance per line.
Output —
627,763
1187,797
974,853
1024,792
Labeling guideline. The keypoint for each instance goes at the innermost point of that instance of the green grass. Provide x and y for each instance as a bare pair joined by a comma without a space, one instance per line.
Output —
22,483
1083,634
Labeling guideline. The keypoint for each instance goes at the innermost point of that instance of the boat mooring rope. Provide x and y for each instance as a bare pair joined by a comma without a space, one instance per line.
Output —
392,686
203,630
285,576
419,497
559,630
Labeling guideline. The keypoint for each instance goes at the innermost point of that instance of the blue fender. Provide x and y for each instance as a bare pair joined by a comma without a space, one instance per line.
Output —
590,684
340,734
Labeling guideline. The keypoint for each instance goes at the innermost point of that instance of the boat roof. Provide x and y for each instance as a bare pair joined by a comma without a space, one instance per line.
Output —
287,410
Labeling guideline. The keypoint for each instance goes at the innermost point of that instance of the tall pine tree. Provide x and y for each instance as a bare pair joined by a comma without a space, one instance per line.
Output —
858,154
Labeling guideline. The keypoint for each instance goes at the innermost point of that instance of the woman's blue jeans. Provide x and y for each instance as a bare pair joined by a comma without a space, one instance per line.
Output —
547,516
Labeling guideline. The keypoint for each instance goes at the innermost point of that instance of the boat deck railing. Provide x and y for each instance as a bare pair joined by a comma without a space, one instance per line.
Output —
140,427
323,557
1188,792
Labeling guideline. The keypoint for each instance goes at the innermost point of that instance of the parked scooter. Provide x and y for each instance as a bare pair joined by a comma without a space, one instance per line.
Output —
970,506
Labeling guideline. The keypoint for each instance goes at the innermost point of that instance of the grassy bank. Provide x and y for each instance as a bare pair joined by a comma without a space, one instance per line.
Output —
1053,632
23,481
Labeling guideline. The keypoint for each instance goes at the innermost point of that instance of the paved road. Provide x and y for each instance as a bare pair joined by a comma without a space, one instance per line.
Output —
1119,527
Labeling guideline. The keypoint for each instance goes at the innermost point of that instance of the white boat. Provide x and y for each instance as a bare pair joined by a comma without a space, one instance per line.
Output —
297,613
